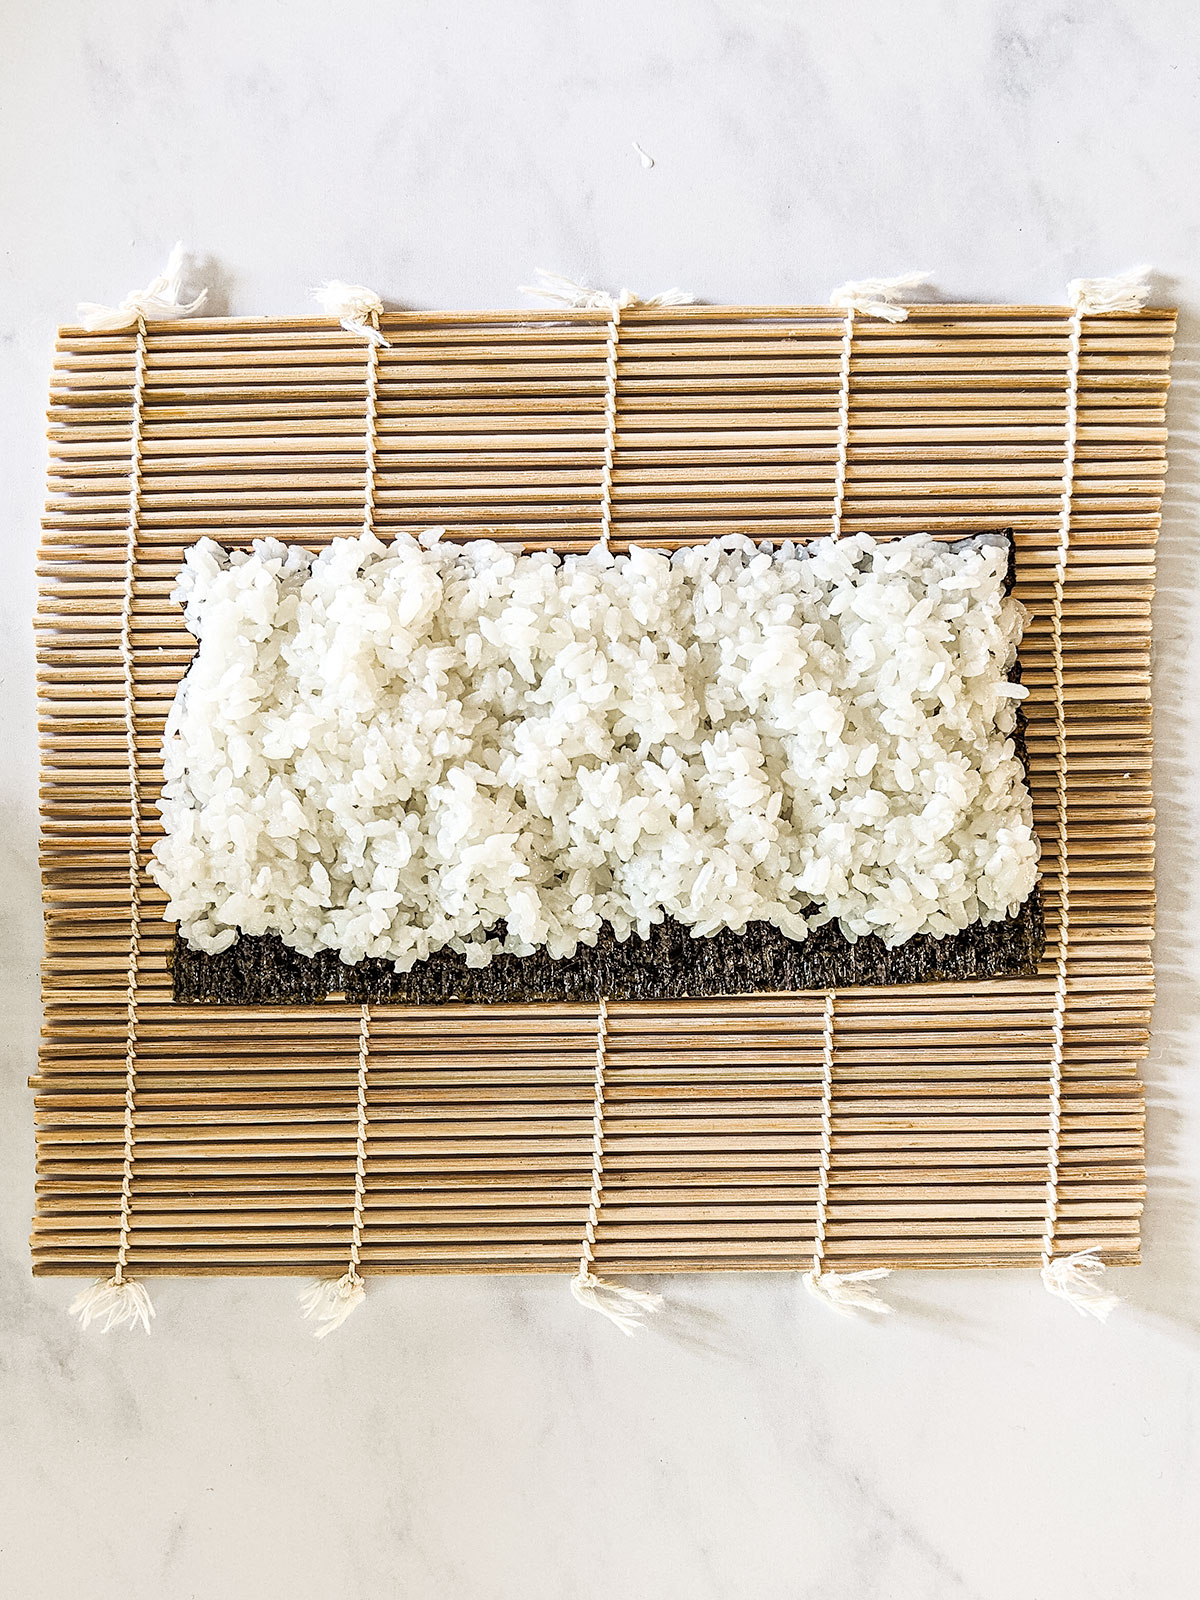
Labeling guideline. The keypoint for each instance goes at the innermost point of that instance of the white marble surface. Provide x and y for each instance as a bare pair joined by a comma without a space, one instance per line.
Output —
466,1439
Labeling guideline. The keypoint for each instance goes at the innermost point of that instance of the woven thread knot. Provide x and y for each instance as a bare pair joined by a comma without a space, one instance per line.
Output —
159,301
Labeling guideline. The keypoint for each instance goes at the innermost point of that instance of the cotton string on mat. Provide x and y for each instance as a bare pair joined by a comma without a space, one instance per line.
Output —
160,301
847,1292
958,1124
1076,1278
328,1302
624,1306
122,1300
550,286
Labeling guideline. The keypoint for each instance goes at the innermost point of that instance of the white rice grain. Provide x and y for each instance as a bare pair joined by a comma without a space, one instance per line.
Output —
384,750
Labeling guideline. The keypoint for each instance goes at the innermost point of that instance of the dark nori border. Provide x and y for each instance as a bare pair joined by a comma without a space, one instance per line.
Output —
670,965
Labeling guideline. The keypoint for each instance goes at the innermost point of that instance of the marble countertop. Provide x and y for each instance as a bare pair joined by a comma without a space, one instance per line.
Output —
481,1439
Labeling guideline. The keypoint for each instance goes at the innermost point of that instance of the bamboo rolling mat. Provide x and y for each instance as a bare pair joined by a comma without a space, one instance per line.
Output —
478,1135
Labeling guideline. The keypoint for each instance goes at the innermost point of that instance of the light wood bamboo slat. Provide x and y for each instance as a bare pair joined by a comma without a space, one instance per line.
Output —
479,1136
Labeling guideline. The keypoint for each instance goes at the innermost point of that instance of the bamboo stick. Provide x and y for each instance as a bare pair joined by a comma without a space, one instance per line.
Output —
478,1151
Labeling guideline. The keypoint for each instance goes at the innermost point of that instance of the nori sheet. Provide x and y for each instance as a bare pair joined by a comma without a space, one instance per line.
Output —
670,965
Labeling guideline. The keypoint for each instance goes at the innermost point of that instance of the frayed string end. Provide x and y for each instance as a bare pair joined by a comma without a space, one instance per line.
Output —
329,1301
850,1292
114,1303
878,297
1079,1280
353,305
566,292
668,297
628,1308
562,291
159,301
1128,291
